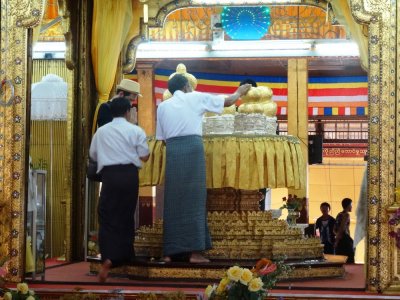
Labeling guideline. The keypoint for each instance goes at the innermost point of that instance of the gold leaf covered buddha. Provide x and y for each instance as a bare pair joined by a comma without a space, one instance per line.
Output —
181,69
258,101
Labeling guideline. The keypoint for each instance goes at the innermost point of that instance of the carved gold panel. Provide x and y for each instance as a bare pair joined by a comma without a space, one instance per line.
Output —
16,18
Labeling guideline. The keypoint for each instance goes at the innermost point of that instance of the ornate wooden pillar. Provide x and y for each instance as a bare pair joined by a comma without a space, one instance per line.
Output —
298,112
146,120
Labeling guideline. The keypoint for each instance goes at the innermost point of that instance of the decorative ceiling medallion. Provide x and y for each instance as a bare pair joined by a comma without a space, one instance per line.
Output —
374,39
15,175
14,252
18,80
373,261
17,137
374,241
246,23
374,200
35,12
15,194
374,160
373,281
375,120
374,180
17,119
375,79
373,221
14,233
16,156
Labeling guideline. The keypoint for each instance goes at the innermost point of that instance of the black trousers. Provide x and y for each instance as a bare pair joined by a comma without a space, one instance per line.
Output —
116,209
346,247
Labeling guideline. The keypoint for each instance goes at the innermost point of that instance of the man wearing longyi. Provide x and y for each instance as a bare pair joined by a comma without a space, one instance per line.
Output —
179,124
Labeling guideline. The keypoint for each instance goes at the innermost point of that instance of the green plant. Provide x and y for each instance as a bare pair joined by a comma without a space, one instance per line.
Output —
292,202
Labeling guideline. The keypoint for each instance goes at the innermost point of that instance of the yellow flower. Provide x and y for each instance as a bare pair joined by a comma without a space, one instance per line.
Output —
220,289
224,282
246,276
22,288
234,273
209,290
255,285
7,296
30,298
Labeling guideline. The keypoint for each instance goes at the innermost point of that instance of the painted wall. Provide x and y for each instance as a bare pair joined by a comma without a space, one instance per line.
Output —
331,181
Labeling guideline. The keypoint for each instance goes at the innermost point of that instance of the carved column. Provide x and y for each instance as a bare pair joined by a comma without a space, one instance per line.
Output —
16,18
298,110
146,120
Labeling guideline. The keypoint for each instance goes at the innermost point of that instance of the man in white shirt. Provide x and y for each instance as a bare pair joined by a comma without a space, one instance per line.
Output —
179,124
127,88
119,148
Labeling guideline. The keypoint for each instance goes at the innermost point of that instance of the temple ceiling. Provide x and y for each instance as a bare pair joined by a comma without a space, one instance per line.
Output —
326,66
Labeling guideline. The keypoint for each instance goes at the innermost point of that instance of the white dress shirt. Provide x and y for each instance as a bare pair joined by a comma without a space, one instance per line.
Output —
118,143
182,114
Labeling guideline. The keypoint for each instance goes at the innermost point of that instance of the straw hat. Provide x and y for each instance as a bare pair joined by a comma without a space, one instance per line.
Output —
129,86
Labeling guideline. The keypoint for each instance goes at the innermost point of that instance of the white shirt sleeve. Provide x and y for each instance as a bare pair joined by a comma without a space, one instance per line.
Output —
93,148
142,147
212,103
159,131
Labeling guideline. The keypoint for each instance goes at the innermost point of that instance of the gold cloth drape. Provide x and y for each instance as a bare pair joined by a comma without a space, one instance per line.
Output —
241,162
110,28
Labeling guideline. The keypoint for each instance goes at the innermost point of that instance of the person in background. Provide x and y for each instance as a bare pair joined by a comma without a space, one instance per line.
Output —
127,88
119,148
248,81
343,241
179,124
324,228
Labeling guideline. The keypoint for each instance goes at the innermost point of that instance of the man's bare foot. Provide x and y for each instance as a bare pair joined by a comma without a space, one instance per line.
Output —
197,258
105,268
166,259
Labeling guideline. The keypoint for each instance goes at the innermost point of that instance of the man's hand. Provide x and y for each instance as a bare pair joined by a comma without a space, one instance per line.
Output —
242,90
